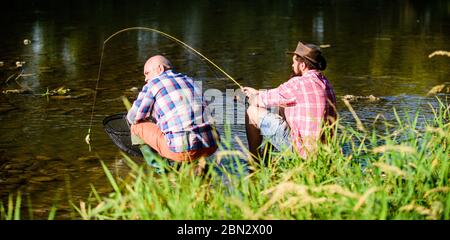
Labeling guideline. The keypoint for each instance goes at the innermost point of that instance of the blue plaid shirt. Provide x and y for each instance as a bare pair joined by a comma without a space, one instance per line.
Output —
174,102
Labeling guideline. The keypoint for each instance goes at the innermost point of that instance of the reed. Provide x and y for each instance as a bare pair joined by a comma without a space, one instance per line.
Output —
375,176
356,175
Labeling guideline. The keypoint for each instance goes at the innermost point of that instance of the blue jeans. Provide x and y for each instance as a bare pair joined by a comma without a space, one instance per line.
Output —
275,130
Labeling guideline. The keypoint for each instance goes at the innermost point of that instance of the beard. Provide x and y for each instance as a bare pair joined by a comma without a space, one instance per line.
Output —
293,74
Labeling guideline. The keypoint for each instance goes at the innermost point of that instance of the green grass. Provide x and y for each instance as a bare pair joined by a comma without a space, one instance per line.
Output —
401,174
14,209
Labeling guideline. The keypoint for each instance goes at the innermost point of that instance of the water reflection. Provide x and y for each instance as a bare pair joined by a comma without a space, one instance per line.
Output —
144,40
37,45
37,38
191,35
69,55
318,27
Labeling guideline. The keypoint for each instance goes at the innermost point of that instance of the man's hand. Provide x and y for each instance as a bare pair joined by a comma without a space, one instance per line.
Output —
249,91
252,95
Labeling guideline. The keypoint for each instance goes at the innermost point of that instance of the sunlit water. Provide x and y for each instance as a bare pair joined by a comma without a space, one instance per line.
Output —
376,47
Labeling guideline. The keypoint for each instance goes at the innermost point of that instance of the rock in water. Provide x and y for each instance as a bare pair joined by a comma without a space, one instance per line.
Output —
442,88
42,179
43,158
19,64
372,98
47,159
16,91
88,158
134,89
352,98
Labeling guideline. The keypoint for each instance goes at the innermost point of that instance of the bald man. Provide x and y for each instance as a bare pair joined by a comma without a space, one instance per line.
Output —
169,114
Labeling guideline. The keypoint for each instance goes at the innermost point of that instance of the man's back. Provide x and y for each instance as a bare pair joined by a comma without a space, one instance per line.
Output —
176,107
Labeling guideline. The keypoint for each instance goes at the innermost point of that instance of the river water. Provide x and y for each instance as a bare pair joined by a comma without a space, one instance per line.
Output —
372,47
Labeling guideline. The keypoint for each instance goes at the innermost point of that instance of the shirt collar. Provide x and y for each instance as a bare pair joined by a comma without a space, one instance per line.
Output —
311,71
169,72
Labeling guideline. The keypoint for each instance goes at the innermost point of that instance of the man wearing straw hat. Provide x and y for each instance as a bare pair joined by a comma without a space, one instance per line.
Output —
307,98
168,114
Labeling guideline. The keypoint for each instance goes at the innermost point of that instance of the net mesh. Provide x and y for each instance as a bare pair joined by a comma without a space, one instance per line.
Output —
117,128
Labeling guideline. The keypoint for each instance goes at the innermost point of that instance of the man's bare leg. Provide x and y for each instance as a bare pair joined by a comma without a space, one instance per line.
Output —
254,138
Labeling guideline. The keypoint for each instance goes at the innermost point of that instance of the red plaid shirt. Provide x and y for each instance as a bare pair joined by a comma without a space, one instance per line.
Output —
308,101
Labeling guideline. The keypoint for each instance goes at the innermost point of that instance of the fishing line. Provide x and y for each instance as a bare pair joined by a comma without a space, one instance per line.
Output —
88,136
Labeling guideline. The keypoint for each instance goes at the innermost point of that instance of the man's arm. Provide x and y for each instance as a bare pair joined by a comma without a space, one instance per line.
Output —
280,96
252,94
141,106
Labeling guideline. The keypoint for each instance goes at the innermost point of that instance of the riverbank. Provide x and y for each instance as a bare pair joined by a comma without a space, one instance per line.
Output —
402,173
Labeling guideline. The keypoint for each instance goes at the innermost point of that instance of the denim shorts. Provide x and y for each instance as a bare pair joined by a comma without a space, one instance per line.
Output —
275,130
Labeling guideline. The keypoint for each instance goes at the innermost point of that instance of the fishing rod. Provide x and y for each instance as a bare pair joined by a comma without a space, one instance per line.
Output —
88,136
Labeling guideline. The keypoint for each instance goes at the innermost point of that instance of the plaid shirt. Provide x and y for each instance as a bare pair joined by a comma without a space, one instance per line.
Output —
308,101
174,102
